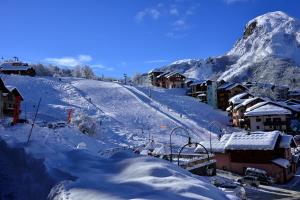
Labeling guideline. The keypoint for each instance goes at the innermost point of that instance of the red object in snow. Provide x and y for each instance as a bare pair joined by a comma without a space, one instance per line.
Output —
17,109
70,115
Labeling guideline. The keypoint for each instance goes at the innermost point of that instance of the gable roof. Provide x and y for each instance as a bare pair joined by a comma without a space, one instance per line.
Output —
239,98
225,85
9,67
2,87
246,102
172,74
268,109
246,141
253,141
163,74
14,91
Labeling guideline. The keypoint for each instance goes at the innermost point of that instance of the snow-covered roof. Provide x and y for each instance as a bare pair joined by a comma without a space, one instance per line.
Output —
245,102
163,74
8,66
198,82
154,70
162,150
14,90
239,98
172,74
243,141
285,141
253,141
225,85
282,162
268,109
256,106
216,146
235,85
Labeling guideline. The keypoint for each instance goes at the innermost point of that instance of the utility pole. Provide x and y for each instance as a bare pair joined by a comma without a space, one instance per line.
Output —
125,78
32,125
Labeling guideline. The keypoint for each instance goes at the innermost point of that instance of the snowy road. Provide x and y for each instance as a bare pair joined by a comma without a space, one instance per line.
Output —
289,191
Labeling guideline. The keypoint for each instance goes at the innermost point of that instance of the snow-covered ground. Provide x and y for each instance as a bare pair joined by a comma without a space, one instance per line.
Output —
76,171
72,163
124,114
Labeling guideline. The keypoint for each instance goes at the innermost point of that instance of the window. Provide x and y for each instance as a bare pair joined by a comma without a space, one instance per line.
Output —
268,120
257,127
258,119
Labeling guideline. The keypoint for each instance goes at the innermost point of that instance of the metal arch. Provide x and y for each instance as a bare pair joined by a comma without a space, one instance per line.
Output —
173,130
196,144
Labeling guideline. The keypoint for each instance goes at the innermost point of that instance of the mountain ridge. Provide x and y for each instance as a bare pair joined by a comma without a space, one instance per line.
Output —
268,51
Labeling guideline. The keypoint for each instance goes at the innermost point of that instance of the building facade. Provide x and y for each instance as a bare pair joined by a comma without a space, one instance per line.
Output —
268,117
269,151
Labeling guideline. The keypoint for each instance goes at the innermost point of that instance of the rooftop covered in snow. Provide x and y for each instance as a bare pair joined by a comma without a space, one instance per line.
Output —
267,109
247,141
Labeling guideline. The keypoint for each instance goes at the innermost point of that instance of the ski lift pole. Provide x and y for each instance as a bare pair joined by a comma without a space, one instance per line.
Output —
32,125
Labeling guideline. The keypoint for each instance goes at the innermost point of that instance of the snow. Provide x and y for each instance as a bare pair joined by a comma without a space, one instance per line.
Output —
242,141
7,66
125,117
239,98
253,141
282,162
245,102
81,174
285,141
267,109
270,38
270,54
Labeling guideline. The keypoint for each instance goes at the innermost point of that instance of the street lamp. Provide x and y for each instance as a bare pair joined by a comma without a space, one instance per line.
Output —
173,130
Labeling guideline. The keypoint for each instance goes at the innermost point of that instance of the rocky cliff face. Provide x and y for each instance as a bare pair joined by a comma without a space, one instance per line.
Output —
268,51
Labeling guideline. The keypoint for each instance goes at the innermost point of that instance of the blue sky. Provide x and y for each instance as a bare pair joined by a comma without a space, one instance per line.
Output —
126,36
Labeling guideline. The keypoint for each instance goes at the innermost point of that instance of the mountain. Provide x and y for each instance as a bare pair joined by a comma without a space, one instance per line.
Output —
268,51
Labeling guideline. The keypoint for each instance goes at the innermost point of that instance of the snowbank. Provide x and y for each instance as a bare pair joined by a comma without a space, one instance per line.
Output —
80,173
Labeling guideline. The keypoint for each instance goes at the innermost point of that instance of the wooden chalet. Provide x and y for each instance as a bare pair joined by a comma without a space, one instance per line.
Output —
17,68
269,151
10,101
267,116
153,74
226,91
3,90
170,80
238,111
199,90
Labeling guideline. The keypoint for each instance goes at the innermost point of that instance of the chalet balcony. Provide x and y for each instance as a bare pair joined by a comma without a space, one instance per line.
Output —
279,123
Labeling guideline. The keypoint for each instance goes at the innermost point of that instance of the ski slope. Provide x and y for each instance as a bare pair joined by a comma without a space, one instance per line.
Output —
72,164
125,115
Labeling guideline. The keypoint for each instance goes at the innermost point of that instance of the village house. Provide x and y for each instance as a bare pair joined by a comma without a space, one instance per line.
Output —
153,74
226,91
205,91
268,116
175,80
169,80
269,151
17,67
198,88
10,101
3,90
238,99
238,111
